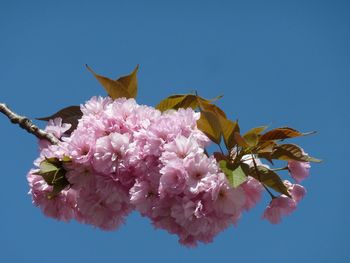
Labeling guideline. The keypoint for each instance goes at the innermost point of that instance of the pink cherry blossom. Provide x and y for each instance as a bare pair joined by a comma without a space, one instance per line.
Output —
253,190
299,170
124,156
110,152
297,191
61,207
278,207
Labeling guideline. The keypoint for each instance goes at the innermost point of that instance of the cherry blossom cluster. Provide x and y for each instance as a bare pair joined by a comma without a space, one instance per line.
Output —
124,157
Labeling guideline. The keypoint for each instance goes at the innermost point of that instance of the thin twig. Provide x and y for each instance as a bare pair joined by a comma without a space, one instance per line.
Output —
27,124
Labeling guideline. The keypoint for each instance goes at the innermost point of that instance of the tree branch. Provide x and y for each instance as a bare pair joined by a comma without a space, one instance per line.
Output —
27,124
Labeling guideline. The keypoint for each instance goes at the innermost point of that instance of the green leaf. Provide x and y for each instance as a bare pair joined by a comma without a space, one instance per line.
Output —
47,167
236,176
116,88
70,115
269,178
60,183
282,133
54,175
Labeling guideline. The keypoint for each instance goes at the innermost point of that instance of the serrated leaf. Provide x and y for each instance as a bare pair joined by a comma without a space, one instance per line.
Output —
282,133
291,152
269,178
178,101
115,88
70,115
235,176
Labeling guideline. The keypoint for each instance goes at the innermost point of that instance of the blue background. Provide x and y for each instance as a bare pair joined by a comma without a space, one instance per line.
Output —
277,63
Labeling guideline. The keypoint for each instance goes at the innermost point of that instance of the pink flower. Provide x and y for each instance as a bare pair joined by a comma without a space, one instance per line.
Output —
172,180
198,168
57,128
228,200
297,191
278,207
181,147
61,207
110,152
81,146
107,213
299,170
96,106
252,189
125,156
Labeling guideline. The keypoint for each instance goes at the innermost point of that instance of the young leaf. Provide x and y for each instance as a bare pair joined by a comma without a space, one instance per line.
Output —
266,147
240,140
210,126
219,156
228,129
70,115
60,182
214,99
189,101
282,133
116,88
178,101
46,168
251,138
211,118
257,130
130,82
205,105
54,175
269,178
235,176
291,152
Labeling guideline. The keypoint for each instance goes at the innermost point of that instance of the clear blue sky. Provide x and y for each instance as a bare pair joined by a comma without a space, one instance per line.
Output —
277,62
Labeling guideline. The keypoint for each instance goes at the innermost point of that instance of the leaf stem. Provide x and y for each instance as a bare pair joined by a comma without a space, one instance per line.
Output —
280,169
